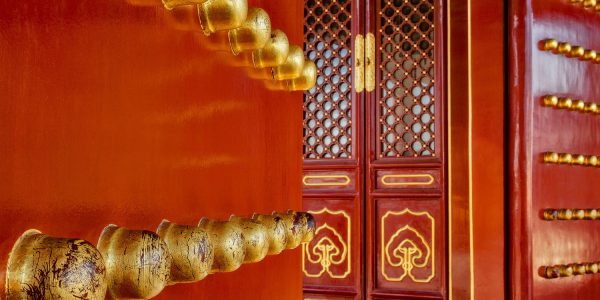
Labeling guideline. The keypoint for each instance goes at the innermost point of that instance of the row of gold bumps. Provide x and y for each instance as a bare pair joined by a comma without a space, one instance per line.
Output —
568,50
571,159
138,264
570,104
589,4
571,214
249,35
569,270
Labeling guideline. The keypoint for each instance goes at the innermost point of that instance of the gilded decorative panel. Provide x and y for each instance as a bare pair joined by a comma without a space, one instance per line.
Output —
407,246
329,254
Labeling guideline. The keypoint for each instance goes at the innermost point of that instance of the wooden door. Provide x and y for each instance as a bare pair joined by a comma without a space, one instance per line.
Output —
405,194
116,113
333,177
387,192
554,143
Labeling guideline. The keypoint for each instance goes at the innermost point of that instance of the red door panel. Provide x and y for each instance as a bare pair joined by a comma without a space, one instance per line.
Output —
408,254
329,259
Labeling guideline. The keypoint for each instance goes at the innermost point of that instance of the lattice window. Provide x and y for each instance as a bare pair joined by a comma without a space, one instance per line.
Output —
407,103
328,106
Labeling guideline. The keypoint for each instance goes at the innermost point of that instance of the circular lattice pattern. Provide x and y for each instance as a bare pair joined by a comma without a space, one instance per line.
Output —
328,105
407,102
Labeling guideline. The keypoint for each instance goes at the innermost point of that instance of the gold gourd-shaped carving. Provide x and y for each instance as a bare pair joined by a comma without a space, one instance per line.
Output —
254,32
228,242
276,232
138,262
43,267
217,15
191,251
256,242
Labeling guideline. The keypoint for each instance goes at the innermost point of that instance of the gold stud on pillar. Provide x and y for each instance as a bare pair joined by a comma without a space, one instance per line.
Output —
276,232
170,4
565,214
579,160
578,214
589,3
44,267
591,268
255,237
578,105
138,262
566,271
589,55
565,158
552,272
565,103
549,44
228,242
578,269
293,66
592,161
550,101
591,214
253,33
563,48
550,215
307,78
591,107
191,250
576,51
216,15
551,157
274,53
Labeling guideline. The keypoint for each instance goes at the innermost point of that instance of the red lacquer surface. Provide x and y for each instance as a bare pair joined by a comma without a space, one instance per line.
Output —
110,114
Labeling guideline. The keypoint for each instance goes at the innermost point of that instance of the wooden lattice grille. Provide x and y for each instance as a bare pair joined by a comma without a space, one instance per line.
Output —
406,65
328,105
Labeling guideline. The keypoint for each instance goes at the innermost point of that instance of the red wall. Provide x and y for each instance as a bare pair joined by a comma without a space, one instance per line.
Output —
110,114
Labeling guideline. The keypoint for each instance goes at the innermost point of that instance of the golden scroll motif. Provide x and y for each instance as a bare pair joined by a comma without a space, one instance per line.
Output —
329,248
408,248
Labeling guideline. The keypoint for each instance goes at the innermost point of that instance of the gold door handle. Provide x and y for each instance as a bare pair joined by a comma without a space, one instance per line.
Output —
370,62
359,63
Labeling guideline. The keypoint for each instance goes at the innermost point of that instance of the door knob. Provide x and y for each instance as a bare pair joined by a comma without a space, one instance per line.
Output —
307,78
276,232
297,228
274,53
256,240
45,267
293,66
138,262
216,15
191,251
253,33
